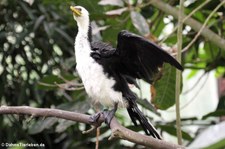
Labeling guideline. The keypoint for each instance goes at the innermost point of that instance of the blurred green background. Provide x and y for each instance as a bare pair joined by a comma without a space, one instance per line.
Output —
37,51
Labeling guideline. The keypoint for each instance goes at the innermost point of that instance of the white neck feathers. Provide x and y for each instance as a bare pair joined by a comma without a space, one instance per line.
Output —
83,26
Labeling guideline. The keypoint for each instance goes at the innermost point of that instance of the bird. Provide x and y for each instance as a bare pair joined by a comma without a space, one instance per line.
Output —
107,72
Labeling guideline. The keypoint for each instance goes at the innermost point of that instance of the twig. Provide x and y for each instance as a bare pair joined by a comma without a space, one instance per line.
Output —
70,81
203,26
188,16
97,138
167,36
194,85
69,85
195,10
64,79
90,130
178,73
194,97
194,24
46,84
97,131
118,131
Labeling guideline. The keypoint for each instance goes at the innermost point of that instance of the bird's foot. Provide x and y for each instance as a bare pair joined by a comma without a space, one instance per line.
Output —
94,118
107,114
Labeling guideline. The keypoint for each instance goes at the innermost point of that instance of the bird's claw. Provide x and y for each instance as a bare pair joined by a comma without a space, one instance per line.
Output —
108,115
94,118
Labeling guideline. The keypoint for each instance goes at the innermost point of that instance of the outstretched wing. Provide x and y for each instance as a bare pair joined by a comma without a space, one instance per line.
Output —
141,58
134,57
107,56
103,50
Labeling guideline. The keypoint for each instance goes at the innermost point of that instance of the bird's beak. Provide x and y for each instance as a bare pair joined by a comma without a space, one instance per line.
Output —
75,11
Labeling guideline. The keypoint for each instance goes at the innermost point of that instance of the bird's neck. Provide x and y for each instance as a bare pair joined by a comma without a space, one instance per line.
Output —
83,39
84,29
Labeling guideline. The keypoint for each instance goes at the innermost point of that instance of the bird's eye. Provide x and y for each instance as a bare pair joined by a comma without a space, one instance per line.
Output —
79,9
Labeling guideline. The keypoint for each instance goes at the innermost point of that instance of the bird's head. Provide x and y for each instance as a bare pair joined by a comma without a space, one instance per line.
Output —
81,15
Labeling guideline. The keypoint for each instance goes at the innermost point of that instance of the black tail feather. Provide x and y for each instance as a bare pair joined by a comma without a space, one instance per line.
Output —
135,114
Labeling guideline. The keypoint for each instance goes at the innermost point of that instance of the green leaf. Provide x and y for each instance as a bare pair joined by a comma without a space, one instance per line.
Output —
68,63
42,124
64,35
28,10
192,73
140,23
217,113
110,2
172,130
116,11
157,30
218,145
63,125
48,82
221,104
38,22
172,40
165,88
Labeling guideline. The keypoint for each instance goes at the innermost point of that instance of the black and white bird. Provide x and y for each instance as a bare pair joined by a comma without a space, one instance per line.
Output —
106,72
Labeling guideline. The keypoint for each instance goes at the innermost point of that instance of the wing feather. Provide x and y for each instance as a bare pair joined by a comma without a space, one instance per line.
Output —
140,57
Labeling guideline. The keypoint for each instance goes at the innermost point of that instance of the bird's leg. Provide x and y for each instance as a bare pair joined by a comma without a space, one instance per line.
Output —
108,115
94,118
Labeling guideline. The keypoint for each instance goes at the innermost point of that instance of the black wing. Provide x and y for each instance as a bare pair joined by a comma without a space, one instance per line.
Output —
103,50
106,55
140,57
134,57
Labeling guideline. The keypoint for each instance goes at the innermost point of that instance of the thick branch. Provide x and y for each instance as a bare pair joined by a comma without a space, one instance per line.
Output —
118,131
206,32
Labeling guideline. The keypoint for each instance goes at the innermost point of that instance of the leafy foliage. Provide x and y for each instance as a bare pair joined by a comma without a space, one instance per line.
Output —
165,88
37,47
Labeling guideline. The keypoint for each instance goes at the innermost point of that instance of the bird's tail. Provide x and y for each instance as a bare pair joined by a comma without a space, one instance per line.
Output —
136,115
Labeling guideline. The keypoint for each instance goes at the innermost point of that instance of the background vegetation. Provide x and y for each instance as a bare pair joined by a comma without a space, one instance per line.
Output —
37,53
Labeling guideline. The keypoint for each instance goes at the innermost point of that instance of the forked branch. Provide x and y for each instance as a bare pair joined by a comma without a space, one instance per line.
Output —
118,131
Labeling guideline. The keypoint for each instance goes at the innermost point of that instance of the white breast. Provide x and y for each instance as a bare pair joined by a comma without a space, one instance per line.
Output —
96,83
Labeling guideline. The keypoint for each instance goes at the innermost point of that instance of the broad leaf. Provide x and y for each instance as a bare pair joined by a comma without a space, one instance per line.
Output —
217,113
116,11
218,145
172,130
165,88
110,2
140,23
38,22
49,82
42,124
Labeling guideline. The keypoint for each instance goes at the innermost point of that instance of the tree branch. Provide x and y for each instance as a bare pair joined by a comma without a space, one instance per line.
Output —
194,24
178,73
118,131
203,26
